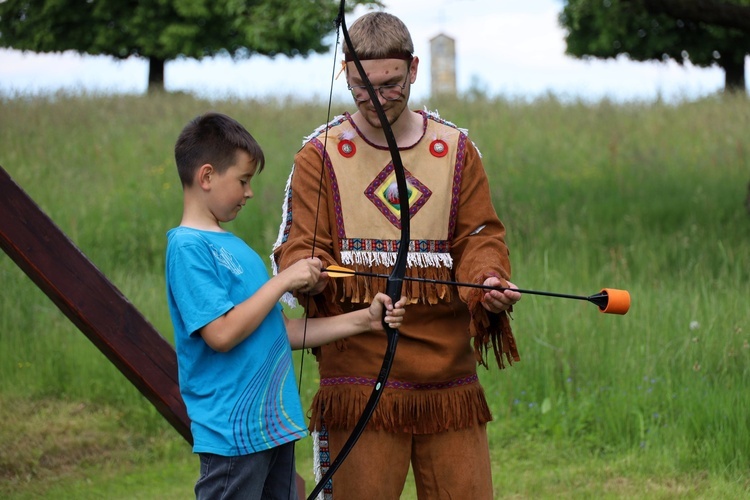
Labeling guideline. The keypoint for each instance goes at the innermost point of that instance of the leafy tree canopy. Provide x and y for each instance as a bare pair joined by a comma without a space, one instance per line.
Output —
703,32
162,30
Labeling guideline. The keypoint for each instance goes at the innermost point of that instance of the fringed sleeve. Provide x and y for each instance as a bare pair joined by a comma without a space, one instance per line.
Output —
480,251
305,228
488,328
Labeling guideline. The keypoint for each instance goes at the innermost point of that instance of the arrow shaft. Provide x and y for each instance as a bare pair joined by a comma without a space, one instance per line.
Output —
458,283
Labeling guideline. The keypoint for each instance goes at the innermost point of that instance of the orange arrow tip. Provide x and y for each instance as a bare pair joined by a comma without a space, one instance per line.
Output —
618,301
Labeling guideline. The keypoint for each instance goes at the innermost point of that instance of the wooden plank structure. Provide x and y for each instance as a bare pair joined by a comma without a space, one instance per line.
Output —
102,313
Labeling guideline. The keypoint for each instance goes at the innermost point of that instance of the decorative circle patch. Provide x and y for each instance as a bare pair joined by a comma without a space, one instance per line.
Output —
438,148
347,148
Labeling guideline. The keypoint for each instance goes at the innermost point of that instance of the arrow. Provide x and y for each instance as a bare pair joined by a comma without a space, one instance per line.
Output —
608,300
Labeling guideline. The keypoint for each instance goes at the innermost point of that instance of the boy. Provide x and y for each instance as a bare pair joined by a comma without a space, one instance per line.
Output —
232,339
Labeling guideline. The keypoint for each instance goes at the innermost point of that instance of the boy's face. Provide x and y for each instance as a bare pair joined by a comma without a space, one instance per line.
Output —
230,190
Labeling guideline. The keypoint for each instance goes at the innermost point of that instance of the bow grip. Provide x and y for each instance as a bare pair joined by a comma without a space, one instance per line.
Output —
393,290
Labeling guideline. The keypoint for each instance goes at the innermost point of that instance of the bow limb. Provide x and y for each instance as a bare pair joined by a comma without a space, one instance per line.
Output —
395,279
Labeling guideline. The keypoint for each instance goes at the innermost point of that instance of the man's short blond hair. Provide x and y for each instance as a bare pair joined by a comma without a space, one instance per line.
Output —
379,35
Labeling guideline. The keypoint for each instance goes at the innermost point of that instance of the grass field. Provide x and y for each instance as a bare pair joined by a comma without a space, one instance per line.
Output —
647,197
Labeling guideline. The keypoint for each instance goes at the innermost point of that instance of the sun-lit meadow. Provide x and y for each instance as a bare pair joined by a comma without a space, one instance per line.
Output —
647,197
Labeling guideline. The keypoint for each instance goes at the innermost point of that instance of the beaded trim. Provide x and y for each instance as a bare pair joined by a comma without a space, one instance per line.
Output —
397,384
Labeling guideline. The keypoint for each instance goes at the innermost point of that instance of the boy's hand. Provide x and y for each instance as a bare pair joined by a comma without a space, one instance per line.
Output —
394,314
497,301
320,285
302,275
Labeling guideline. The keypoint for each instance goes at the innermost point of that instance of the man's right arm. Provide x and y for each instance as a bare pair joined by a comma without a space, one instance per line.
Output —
306,226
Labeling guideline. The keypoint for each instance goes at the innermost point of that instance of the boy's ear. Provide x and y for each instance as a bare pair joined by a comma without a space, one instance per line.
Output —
204,175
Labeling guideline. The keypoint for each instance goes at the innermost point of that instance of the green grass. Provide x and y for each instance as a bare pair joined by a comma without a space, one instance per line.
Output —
647,197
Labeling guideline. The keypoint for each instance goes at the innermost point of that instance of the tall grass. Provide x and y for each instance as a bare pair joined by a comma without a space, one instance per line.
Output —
642,196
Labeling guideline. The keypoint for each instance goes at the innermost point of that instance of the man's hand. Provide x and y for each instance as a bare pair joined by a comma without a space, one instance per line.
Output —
497,301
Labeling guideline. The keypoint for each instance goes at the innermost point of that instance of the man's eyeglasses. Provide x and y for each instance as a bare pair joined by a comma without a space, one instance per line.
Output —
388,92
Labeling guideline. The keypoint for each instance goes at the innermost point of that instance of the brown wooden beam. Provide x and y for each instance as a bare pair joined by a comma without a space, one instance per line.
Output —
90,301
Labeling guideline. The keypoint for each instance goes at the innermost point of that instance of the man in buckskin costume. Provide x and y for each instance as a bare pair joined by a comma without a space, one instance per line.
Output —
433,411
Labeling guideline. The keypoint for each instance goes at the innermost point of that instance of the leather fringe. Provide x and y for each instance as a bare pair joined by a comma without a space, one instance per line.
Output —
415,411
491,329
361,289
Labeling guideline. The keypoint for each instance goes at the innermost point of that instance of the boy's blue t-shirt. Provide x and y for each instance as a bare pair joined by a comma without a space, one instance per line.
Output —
244,400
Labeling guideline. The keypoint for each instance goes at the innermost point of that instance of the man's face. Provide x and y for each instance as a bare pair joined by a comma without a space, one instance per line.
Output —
392,79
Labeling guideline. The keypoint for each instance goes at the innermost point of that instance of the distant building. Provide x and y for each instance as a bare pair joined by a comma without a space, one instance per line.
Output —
443,65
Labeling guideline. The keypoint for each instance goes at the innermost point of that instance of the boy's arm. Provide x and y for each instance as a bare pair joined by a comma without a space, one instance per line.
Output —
231,328
325,330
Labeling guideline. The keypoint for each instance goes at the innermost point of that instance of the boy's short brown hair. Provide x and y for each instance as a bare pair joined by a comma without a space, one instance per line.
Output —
213,138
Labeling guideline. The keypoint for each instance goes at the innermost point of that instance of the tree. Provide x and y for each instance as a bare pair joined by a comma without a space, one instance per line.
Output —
162,30
703,32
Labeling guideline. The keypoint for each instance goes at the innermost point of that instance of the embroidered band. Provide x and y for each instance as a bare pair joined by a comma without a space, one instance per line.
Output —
396,384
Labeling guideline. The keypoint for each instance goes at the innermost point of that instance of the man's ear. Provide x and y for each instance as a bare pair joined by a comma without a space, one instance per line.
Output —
205,172
413,69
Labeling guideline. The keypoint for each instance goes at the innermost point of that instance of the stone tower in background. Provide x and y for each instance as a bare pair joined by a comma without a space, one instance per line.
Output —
443,65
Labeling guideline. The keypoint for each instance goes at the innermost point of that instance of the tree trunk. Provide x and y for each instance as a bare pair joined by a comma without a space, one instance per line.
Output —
156,74
734,73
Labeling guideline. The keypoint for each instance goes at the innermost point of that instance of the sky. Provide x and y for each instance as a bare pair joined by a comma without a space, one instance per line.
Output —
509,48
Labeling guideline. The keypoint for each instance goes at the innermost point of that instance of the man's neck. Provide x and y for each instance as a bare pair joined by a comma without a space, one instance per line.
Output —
407,129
